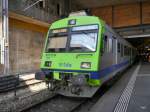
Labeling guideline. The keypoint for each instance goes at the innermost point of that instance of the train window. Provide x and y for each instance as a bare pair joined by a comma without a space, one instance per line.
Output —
54,44
105,43
118,46
129,51
125,51
112,45
83,42
122,50
109,45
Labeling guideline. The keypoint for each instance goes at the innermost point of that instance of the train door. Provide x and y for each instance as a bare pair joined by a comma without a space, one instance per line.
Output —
106,57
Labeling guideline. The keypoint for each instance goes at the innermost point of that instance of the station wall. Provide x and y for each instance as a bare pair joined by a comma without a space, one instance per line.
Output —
26,41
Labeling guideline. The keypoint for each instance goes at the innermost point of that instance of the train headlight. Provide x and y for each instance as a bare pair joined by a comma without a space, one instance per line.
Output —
86,65
48,63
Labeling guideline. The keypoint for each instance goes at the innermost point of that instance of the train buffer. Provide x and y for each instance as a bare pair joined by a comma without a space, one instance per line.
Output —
130,94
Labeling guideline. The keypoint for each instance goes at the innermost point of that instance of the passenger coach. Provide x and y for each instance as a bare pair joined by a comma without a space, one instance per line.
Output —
81,53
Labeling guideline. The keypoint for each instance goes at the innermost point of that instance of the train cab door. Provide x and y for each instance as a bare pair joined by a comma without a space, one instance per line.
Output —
105,60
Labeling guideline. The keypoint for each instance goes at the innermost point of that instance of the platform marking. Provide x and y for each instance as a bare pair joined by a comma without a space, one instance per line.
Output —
124,99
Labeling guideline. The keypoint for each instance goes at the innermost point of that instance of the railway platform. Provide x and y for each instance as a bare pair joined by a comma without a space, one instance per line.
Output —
130,94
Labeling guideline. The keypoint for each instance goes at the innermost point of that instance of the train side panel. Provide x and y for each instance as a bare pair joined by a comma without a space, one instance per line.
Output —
117,55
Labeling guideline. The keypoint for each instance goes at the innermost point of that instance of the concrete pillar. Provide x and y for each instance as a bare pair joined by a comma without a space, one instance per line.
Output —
4,37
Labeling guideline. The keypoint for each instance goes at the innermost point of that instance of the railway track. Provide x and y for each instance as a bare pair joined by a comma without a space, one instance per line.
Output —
13,83
26,95
57,104
27,86
28,82
67,104
31,100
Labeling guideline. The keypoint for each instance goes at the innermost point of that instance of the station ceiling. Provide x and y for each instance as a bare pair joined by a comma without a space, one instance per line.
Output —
138,36
140,42
137,33
101,3
137,42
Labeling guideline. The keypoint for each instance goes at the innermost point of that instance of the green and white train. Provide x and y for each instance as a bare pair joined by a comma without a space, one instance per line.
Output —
80,54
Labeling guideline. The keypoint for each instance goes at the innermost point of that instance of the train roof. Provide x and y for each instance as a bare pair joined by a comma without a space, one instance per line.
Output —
80,20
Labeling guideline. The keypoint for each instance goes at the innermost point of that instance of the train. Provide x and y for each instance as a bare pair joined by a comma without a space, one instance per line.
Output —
81,53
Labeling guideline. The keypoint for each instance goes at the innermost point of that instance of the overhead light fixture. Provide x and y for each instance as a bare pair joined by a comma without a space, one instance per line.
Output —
137,36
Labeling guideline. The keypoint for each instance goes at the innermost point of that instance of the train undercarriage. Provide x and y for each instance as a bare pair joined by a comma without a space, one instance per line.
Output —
68,84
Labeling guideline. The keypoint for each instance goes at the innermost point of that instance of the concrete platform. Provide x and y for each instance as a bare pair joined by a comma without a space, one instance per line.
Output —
140,99
130,94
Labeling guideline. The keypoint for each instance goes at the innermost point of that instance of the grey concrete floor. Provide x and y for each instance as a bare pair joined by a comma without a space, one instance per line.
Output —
140,95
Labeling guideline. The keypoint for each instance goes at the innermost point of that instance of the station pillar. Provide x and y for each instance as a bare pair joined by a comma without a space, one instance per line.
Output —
4,36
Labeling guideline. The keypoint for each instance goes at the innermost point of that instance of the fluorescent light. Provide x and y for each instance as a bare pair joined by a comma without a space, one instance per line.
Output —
137,36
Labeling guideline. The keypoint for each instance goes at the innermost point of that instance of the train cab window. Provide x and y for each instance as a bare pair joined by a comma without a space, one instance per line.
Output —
55,45
83,38
119,47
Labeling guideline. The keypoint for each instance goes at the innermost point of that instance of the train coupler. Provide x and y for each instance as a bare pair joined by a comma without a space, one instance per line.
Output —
76,90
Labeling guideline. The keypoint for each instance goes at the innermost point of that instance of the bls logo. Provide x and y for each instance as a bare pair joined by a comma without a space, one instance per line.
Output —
68,65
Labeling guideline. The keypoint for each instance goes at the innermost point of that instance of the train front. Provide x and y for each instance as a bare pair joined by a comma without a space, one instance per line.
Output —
70,60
